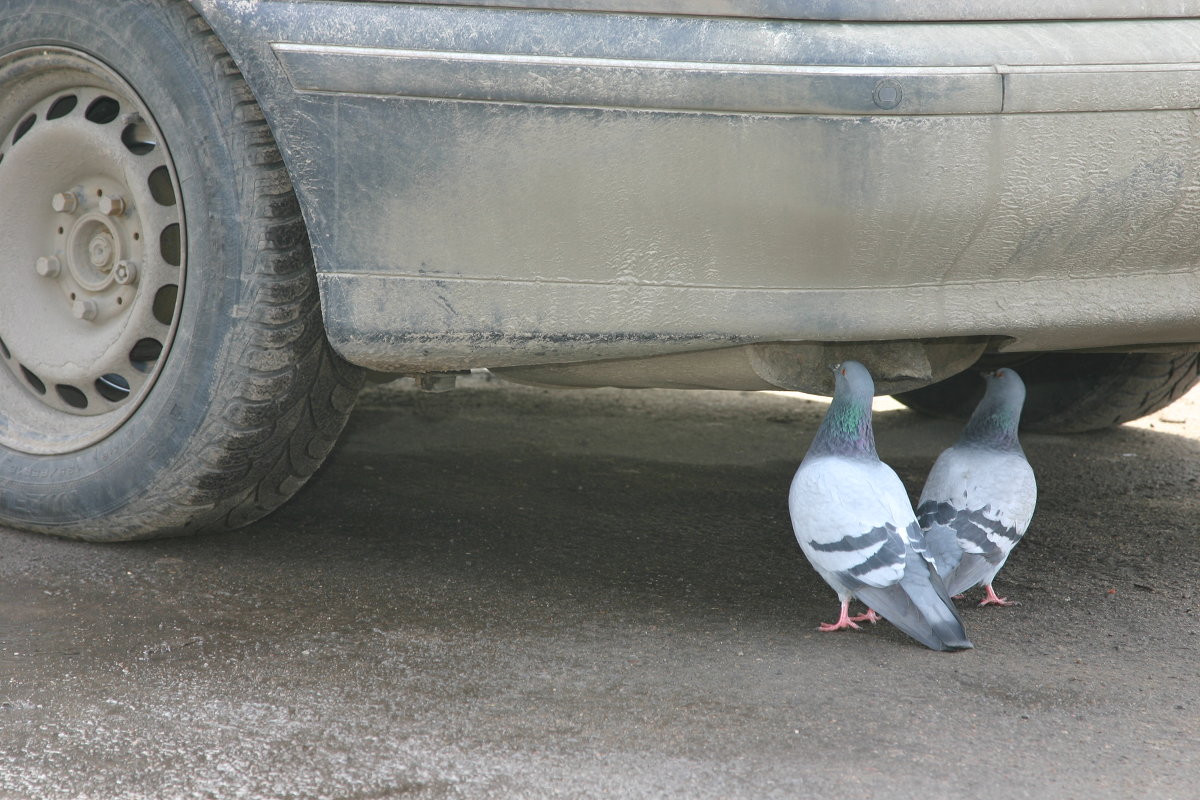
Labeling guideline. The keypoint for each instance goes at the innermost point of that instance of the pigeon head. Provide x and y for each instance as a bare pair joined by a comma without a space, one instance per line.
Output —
846,429
851,379
994,422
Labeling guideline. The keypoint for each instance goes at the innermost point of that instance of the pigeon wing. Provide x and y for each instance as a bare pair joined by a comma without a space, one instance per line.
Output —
979,503
845,516
985,543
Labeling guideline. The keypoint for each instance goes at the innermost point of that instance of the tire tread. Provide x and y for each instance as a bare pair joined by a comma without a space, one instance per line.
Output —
1105,390
287,396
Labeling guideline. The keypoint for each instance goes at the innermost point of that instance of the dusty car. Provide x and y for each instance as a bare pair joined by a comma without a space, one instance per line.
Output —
218,215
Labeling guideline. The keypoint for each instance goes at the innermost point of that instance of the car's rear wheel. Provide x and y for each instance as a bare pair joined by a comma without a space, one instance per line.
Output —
163,367
1071,392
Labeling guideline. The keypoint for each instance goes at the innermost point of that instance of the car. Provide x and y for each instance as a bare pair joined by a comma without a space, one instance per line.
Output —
218,216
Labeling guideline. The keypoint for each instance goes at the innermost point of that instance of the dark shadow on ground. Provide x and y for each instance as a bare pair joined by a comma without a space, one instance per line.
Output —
605,583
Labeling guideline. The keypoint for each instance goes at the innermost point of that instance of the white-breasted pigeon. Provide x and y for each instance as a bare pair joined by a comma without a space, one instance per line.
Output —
980,495
855,524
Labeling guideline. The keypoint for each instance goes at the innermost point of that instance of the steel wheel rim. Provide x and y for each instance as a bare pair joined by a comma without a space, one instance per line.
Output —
93,270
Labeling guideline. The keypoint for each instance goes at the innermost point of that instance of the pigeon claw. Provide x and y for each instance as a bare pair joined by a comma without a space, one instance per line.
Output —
870,617
840,625
844,621
992,600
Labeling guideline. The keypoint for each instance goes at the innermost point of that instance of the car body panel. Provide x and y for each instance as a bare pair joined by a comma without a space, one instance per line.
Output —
488,186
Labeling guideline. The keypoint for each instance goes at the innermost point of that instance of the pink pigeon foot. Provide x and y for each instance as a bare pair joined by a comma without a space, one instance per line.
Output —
993,600
843,622
870,617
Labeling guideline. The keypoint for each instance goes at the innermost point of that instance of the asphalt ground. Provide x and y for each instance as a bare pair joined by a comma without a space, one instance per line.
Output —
509,592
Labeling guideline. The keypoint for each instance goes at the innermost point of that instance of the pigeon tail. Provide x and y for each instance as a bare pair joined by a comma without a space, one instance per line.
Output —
919,606
973,570
941,547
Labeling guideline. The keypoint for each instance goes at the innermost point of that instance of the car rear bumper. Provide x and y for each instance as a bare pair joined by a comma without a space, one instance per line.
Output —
490,186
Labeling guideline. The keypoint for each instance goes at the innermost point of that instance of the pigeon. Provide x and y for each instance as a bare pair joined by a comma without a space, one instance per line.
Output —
979,496
854,522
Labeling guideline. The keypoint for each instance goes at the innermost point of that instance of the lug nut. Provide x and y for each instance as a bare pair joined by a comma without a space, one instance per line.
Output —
48,266
84,309
112,205
125,272
64,202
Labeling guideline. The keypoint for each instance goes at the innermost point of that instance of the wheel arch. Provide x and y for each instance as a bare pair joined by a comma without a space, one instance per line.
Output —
235,26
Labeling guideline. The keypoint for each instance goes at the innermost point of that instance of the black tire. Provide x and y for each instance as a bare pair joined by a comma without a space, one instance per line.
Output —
243,397
1071,392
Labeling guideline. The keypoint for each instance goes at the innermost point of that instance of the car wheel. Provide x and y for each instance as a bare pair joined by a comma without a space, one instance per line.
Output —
1071,392
163,366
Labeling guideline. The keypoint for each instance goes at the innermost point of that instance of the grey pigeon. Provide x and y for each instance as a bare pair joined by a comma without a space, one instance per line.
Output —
855,524
980,494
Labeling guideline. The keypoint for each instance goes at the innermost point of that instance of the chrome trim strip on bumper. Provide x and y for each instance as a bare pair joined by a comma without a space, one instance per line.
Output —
703,86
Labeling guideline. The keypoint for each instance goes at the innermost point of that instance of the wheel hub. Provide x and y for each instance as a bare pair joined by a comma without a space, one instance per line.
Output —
91,244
